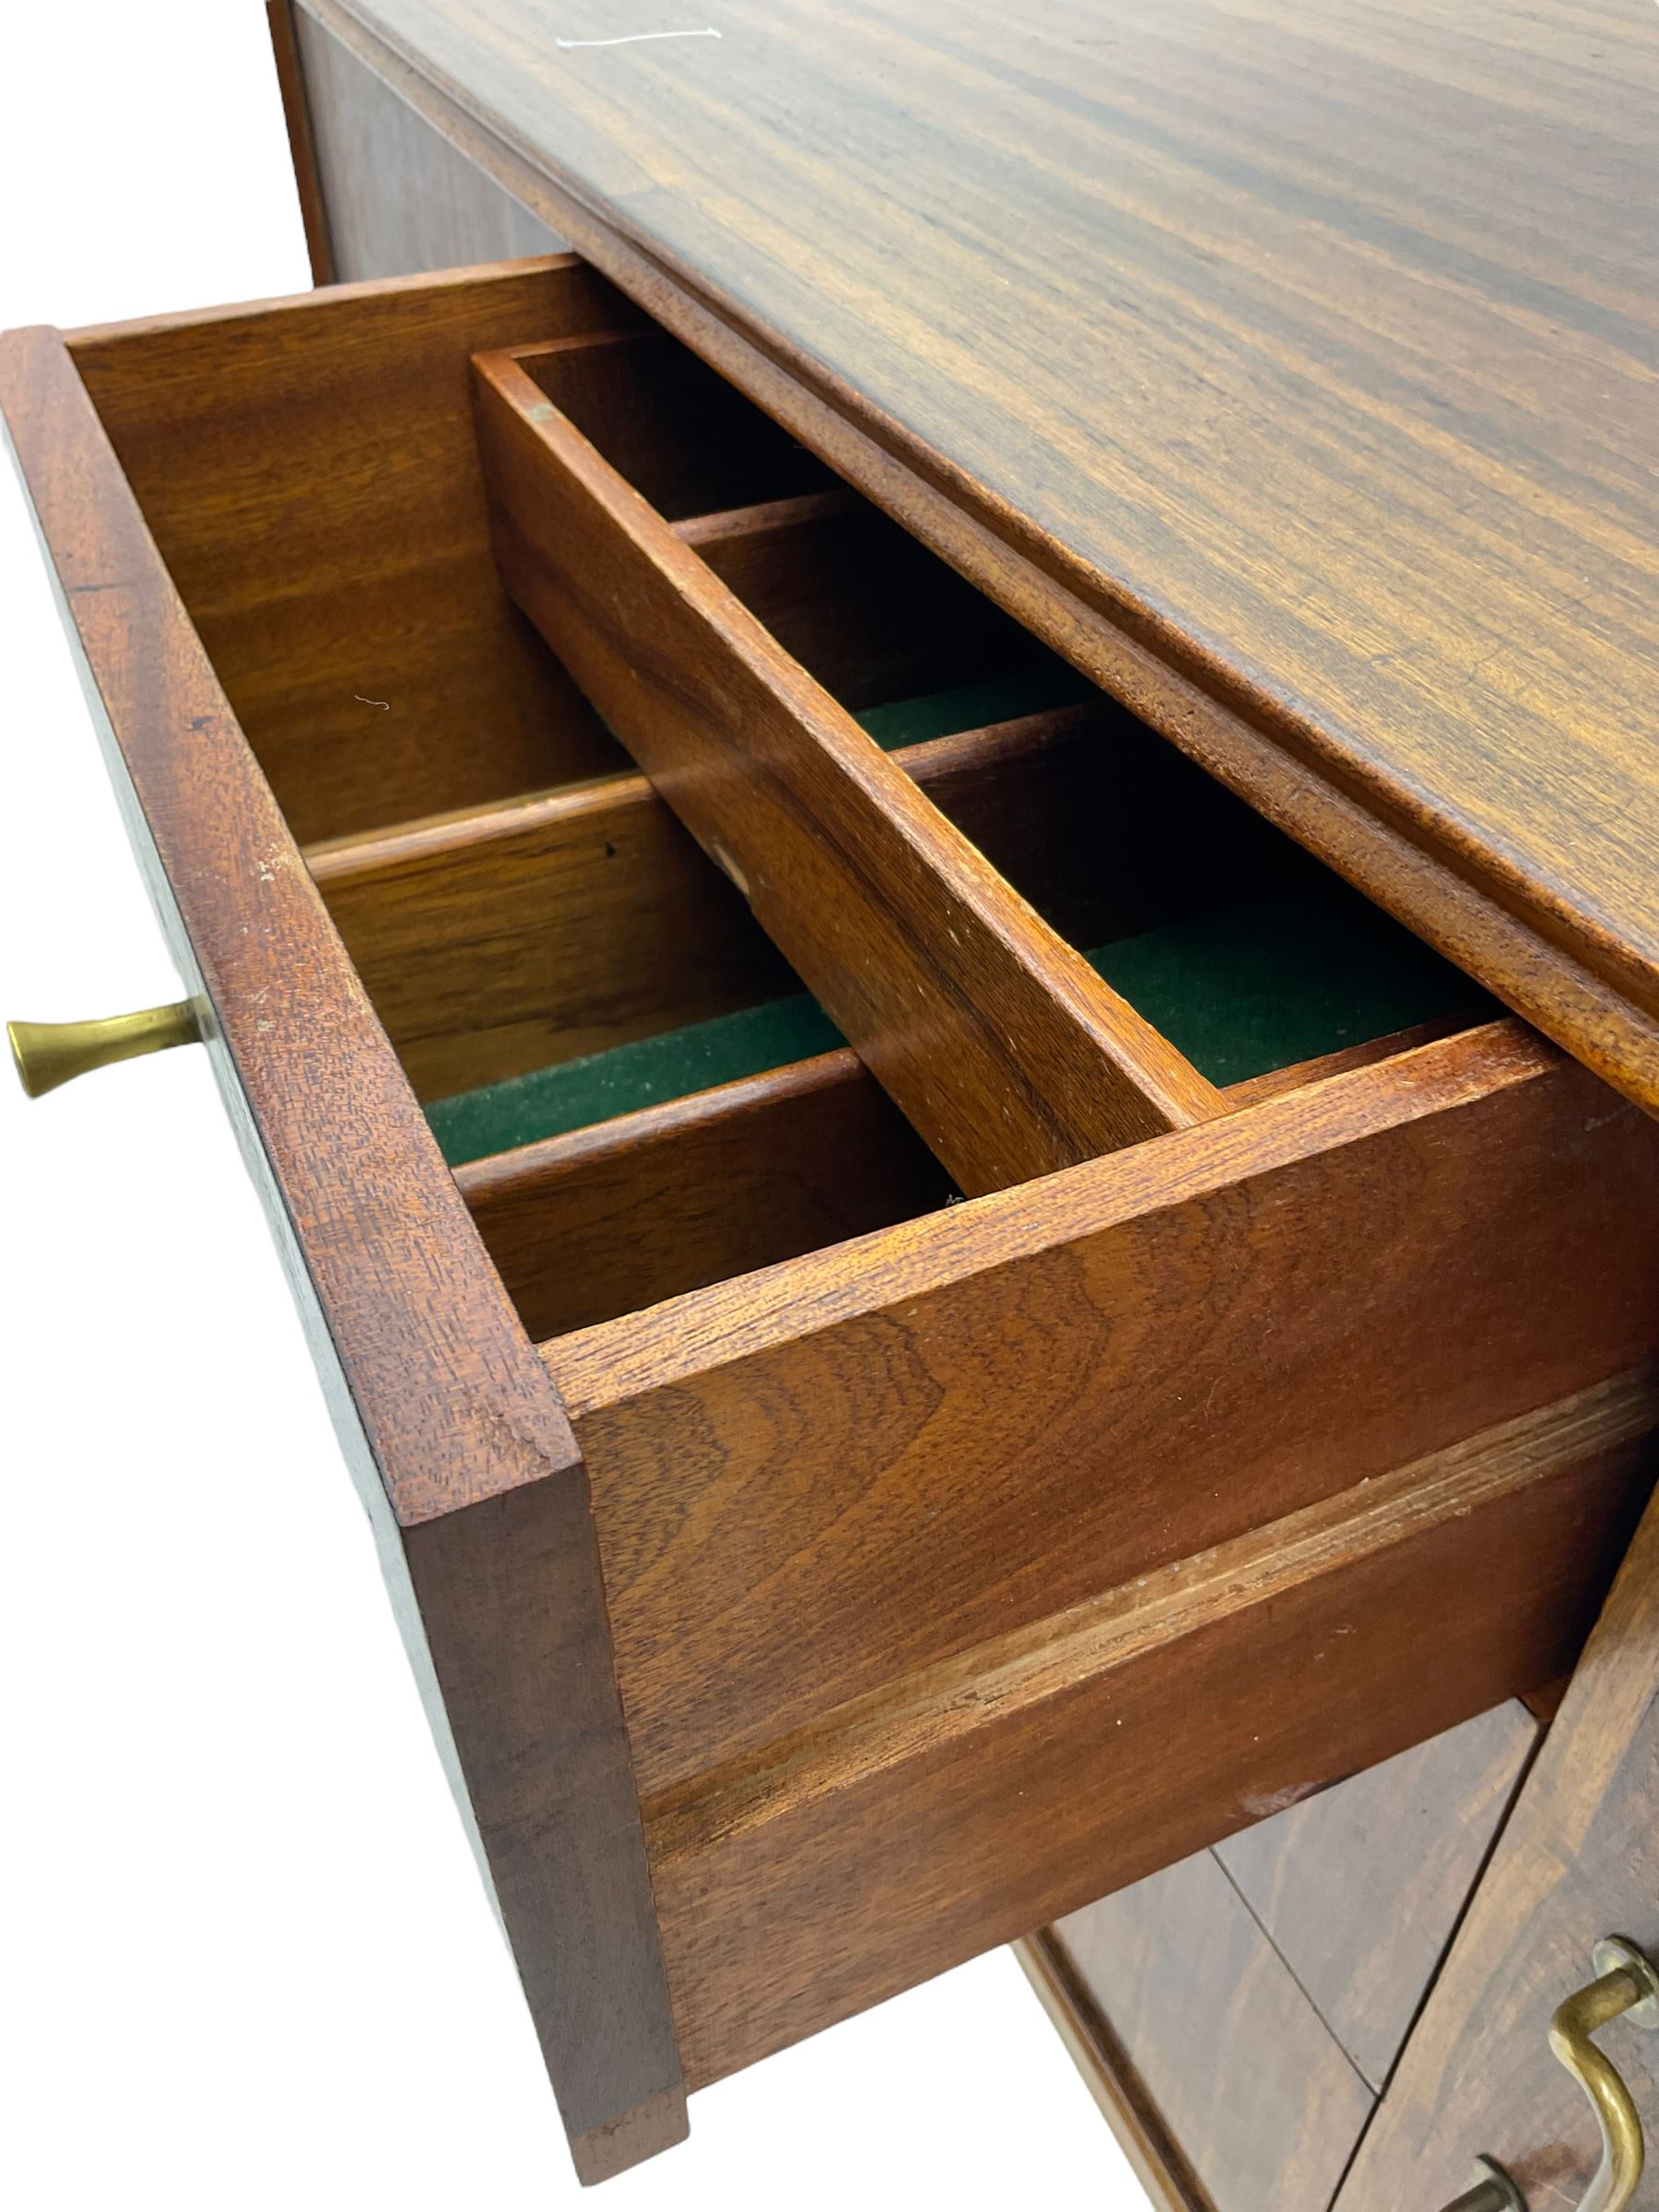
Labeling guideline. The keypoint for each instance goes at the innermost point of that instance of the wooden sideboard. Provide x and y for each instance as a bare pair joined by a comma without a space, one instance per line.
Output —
876,869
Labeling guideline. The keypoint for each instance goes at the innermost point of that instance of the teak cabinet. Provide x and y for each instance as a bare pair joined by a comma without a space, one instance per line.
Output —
939,1324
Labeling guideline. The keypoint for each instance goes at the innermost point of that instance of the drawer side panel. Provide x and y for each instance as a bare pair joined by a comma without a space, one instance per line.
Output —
461,1449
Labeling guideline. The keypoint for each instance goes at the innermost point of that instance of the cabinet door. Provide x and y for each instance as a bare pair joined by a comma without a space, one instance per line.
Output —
1578,1861
1239,2013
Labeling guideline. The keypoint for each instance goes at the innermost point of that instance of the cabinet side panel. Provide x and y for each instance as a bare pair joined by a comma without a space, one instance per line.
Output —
296,114
399,198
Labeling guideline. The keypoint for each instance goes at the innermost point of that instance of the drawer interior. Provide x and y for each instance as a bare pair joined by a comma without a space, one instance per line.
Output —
690,443
1248,956
1253,960
577,1067
915,1448
547,945
1245,953
313,486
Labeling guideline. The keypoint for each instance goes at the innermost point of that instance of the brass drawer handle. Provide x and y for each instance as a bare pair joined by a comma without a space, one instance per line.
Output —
1627,1981
50,1053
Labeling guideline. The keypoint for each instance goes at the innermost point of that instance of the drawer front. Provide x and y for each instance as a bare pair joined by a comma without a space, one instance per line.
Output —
895,1264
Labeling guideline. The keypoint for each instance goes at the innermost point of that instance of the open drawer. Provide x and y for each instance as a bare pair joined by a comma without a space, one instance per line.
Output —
932,1318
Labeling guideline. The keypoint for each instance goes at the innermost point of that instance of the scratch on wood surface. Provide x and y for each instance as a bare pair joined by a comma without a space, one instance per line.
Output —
634,38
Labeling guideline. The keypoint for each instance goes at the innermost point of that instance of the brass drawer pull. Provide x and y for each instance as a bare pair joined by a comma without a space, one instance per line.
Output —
1627,1981
50,1053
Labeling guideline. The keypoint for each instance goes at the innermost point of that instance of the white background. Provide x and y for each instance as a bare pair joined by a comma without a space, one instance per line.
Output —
247,1960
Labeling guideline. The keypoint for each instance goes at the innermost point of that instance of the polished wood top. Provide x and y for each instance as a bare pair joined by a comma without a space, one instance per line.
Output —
1313,343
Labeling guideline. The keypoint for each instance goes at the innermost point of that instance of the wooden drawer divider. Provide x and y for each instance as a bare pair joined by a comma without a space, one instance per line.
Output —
1004,1050
606,1220
433,914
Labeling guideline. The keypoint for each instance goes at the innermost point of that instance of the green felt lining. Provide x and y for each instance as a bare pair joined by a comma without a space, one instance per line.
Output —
1299,970
1027,690
1303,969
672,1065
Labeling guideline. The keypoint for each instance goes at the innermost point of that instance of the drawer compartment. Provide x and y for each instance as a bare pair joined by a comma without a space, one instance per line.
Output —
1003,1049
928,1313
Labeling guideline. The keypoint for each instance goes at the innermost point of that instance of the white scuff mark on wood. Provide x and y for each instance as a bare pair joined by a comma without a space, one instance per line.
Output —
1261,1806
383,704
633,38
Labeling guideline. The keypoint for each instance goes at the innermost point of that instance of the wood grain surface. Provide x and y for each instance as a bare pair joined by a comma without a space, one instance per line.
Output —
855,1462
463,1454
1003,1049
1030,1774
511,937
1259,1992
1246,2076
1154,2156
1291,370
399,198
1291,366
1578,1860
309,471
601,1221
283,23
1360,1887
517,937
870,614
